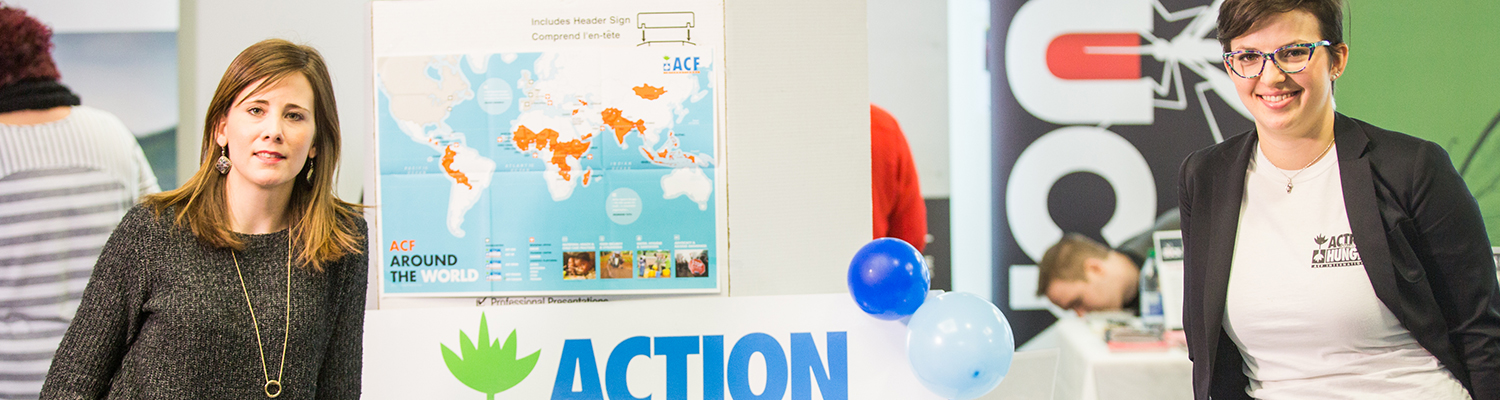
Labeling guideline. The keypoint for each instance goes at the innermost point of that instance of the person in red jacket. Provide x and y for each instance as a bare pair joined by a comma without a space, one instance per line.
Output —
898,208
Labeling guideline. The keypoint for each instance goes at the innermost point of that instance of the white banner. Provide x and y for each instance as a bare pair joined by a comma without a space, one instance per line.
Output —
773,347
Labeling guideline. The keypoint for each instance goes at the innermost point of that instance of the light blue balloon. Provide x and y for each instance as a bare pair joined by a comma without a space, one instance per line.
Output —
959,345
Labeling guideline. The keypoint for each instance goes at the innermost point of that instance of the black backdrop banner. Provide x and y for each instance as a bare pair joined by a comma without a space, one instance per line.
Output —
1096,104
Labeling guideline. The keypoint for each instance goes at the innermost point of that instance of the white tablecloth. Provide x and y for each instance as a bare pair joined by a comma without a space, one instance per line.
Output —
1087,370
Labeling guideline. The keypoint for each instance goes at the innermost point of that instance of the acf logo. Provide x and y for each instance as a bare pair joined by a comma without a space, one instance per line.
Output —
681,65
490,368
1079,64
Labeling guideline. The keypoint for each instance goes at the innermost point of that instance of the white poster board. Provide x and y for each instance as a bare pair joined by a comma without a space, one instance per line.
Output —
802,347
549,148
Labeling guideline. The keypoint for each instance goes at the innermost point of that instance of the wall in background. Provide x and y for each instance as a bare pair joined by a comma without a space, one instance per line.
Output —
909,78
928,69
133,75
971,206
95,16
1430,71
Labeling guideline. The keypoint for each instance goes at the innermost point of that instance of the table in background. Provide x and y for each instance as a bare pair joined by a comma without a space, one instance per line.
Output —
1088,370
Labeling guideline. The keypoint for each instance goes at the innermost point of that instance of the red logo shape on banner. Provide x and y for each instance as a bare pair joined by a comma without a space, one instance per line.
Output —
1094,56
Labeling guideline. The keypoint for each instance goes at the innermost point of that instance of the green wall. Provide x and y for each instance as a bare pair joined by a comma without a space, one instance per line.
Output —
1431,69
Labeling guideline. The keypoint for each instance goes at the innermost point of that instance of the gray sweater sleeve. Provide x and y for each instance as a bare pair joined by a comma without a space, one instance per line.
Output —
108,318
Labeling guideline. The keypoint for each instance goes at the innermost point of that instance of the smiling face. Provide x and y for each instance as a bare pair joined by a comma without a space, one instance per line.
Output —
1299,104
269,135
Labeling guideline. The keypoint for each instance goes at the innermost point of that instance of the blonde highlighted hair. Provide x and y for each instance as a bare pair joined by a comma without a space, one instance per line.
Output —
319,221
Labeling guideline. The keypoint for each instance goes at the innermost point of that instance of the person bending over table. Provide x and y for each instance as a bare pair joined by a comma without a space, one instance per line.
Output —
1082,275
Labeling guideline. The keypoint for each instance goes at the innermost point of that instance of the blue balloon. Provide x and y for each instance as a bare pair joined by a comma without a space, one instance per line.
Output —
888,278
959,345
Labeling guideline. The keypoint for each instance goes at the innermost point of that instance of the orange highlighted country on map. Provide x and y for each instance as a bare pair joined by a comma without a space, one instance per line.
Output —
670,154
457,176
525,139
649,92
620,124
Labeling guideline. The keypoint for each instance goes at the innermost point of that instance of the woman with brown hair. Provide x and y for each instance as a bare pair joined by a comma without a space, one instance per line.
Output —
247,281
1325,257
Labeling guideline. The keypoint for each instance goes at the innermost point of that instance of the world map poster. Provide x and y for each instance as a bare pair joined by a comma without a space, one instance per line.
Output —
577,155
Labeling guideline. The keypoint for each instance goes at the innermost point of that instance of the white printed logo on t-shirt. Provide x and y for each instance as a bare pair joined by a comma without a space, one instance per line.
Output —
1336,251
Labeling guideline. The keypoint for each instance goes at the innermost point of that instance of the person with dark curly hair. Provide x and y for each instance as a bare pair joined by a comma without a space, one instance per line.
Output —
68,173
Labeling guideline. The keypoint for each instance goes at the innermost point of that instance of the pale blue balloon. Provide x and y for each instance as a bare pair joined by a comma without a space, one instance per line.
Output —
959,345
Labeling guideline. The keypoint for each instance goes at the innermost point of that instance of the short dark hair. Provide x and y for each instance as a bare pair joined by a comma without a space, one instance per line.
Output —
25,48
1237,16
1064,260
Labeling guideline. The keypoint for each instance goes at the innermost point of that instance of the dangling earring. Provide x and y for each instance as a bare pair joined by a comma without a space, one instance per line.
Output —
310,168
223,164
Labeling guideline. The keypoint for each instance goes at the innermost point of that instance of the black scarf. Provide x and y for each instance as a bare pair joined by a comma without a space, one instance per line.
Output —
36,94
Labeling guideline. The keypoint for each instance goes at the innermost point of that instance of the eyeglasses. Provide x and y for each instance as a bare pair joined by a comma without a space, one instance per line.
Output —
1290,59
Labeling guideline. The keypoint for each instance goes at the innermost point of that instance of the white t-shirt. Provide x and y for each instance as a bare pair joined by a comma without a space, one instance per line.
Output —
1300,306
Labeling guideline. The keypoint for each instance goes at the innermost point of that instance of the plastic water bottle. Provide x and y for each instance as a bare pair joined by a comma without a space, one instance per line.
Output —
1152,315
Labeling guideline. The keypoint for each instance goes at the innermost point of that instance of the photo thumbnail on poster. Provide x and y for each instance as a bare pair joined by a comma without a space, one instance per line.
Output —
579,265
617,264
655,264
692,263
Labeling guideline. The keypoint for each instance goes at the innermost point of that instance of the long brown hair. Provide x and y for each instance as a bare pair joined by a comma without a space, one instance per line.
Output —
321,223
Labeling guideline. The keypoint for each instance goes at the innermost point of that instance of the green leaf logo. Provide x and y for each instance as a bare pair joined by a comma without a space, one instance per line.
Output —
488,368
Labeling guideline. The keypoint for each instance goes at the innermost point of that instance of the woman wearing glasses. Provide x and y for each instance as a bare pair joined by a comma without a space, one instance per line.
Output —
1328,258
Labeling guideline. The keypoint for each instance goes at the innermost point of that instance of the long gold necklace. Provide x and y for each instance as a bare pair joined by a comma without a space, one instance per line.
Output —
286,331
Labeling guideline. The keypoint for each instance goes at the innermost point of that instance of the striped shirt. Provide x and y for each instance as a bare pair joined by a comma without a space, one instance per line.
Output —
63,187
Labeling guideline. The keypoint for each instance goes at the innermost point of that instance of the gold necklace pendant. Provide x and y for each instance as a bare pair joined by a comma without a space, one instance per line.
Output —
1288,177
273,394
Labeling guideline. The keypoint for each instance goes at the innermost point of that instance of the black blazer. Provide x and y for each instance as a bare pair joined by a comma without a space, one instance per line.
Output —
1418,231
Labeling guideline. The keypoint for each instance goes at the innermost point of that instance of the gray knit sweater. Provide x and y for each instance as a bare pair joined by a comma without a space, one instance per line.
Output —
164,317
